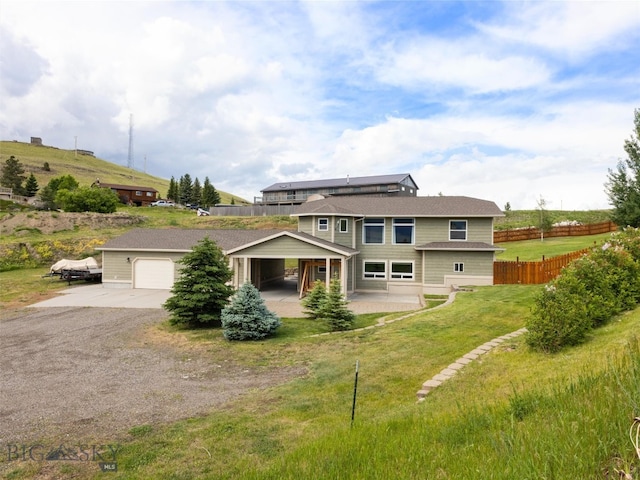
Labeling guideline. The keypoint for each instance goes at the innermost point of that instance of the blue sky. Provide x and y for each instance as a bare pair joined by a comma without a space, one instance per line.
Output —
505,101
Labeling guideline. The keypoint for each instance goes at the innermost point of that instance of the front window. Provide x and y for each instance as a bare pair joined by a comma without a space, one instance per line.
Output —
343,225
373,231
402,270
458,230
403,230
323,224
138,193
375,270
149,194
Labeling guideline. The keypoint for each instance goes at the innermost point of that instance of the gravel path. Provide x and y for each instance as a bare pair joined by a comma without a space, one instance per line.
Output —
77,373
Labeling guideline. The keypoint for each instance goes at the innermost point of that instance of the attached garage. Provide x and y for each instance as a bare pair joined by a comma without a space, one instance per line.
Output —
153,273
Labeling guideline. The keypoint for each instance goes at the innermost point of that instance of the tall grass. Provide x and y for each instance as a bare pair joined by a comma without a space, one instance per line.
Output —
575,429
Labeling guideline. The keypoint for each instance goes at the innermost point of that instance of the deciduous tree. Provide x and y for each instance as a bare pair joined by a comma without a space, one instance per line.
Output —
87,199
623,185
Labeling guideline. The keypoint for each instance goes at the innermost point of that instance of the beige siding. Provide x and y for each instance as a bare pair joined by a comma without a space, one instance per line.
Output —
439,265
437,229
116,268
387,252
305,224
285,247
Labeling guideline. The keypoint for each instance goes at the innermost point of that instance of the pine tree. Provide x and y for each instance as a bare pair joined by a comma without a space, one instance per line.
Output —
247,317
172,193
185,189
31,186
334,309
12,175
210,196
196,193
202,290
315,300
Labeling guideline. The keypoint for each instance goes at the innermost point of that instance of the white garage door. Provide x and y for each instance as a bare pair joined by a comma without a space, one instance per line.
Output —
156,273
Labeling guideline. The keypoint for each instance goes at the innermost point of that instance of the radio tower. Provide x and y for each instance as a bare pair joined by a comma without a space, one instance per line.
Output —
130,158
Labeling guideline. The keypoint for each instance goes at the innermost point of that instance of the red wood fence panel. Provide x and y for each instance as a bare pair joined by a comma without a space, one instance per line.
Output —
500,236
531,273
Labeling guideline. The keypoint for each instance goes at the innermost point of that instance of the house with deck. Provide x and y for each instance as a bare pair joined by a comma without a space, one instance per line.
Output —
131,194
403,245
295,193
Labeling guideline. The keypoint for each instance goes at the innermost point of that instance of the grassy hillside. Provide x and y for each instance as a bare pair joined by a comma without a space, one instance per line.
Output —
84,168
529,218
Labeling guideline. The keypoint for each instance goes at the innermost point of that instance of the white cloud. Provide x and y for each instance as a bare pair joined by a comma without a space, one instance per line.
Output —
574,29
504,103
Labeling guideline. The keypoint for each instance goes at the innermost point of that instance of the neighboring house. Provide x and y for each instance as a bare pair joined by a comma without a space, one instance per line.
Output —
299,192
131,194
409,245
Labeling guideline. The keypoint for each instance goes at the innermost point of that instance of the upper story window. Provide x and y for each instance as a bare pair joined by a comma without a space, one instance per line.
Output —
457,230
373,231
403,229
343,225
323,224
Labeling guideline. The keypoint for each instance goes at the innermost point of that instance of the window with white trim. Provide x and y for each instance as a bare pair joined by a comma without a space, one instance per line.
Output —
403,229
375,269
149,194
343,225
458,267
402,270
457,230
138,193
373,231
323,224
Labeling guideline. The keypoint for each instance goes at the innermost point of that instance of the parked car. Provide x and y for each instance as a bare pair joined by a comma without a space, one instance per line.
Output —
163,203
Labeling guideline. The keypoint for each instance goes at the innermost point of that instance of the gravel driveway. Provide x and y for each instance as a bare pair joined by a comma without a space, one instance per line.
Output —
78,373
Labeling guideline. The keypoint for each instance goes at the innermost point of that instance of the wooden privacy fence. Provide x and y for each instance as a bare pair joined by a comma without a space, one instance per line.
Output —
533,233
532,273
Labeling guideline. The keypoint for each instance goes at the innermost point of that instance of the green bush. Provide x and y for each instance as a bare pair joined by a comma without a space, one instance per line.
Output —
588,293
559,317
247,317
87,199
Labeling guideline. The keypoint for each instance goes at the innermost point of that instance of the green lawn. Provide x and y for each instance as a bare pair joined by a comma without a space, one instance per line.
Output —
510,414
533,250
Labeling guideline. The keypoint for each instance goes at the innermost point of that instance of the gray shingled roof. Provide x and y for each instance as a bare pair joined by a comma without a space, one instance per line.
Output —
400,206
183,240
339,182
459,246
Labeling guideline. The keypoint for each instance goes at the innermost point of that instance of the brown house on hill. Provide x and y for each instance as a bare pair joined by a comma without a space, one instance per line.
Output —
131,194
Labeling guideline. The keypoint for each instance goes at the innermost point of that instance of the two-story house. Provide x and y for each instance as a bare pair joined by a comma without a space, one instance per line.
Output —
399,245
295,193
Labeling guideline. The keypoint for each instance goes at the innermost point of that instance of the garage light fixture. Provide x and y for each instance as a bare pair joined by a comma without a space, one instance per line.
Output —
128,260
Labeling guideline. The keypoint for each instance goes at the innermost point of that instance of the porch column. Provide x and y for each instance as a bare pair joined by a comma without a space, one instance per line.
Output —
343,276
246,271
327,276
